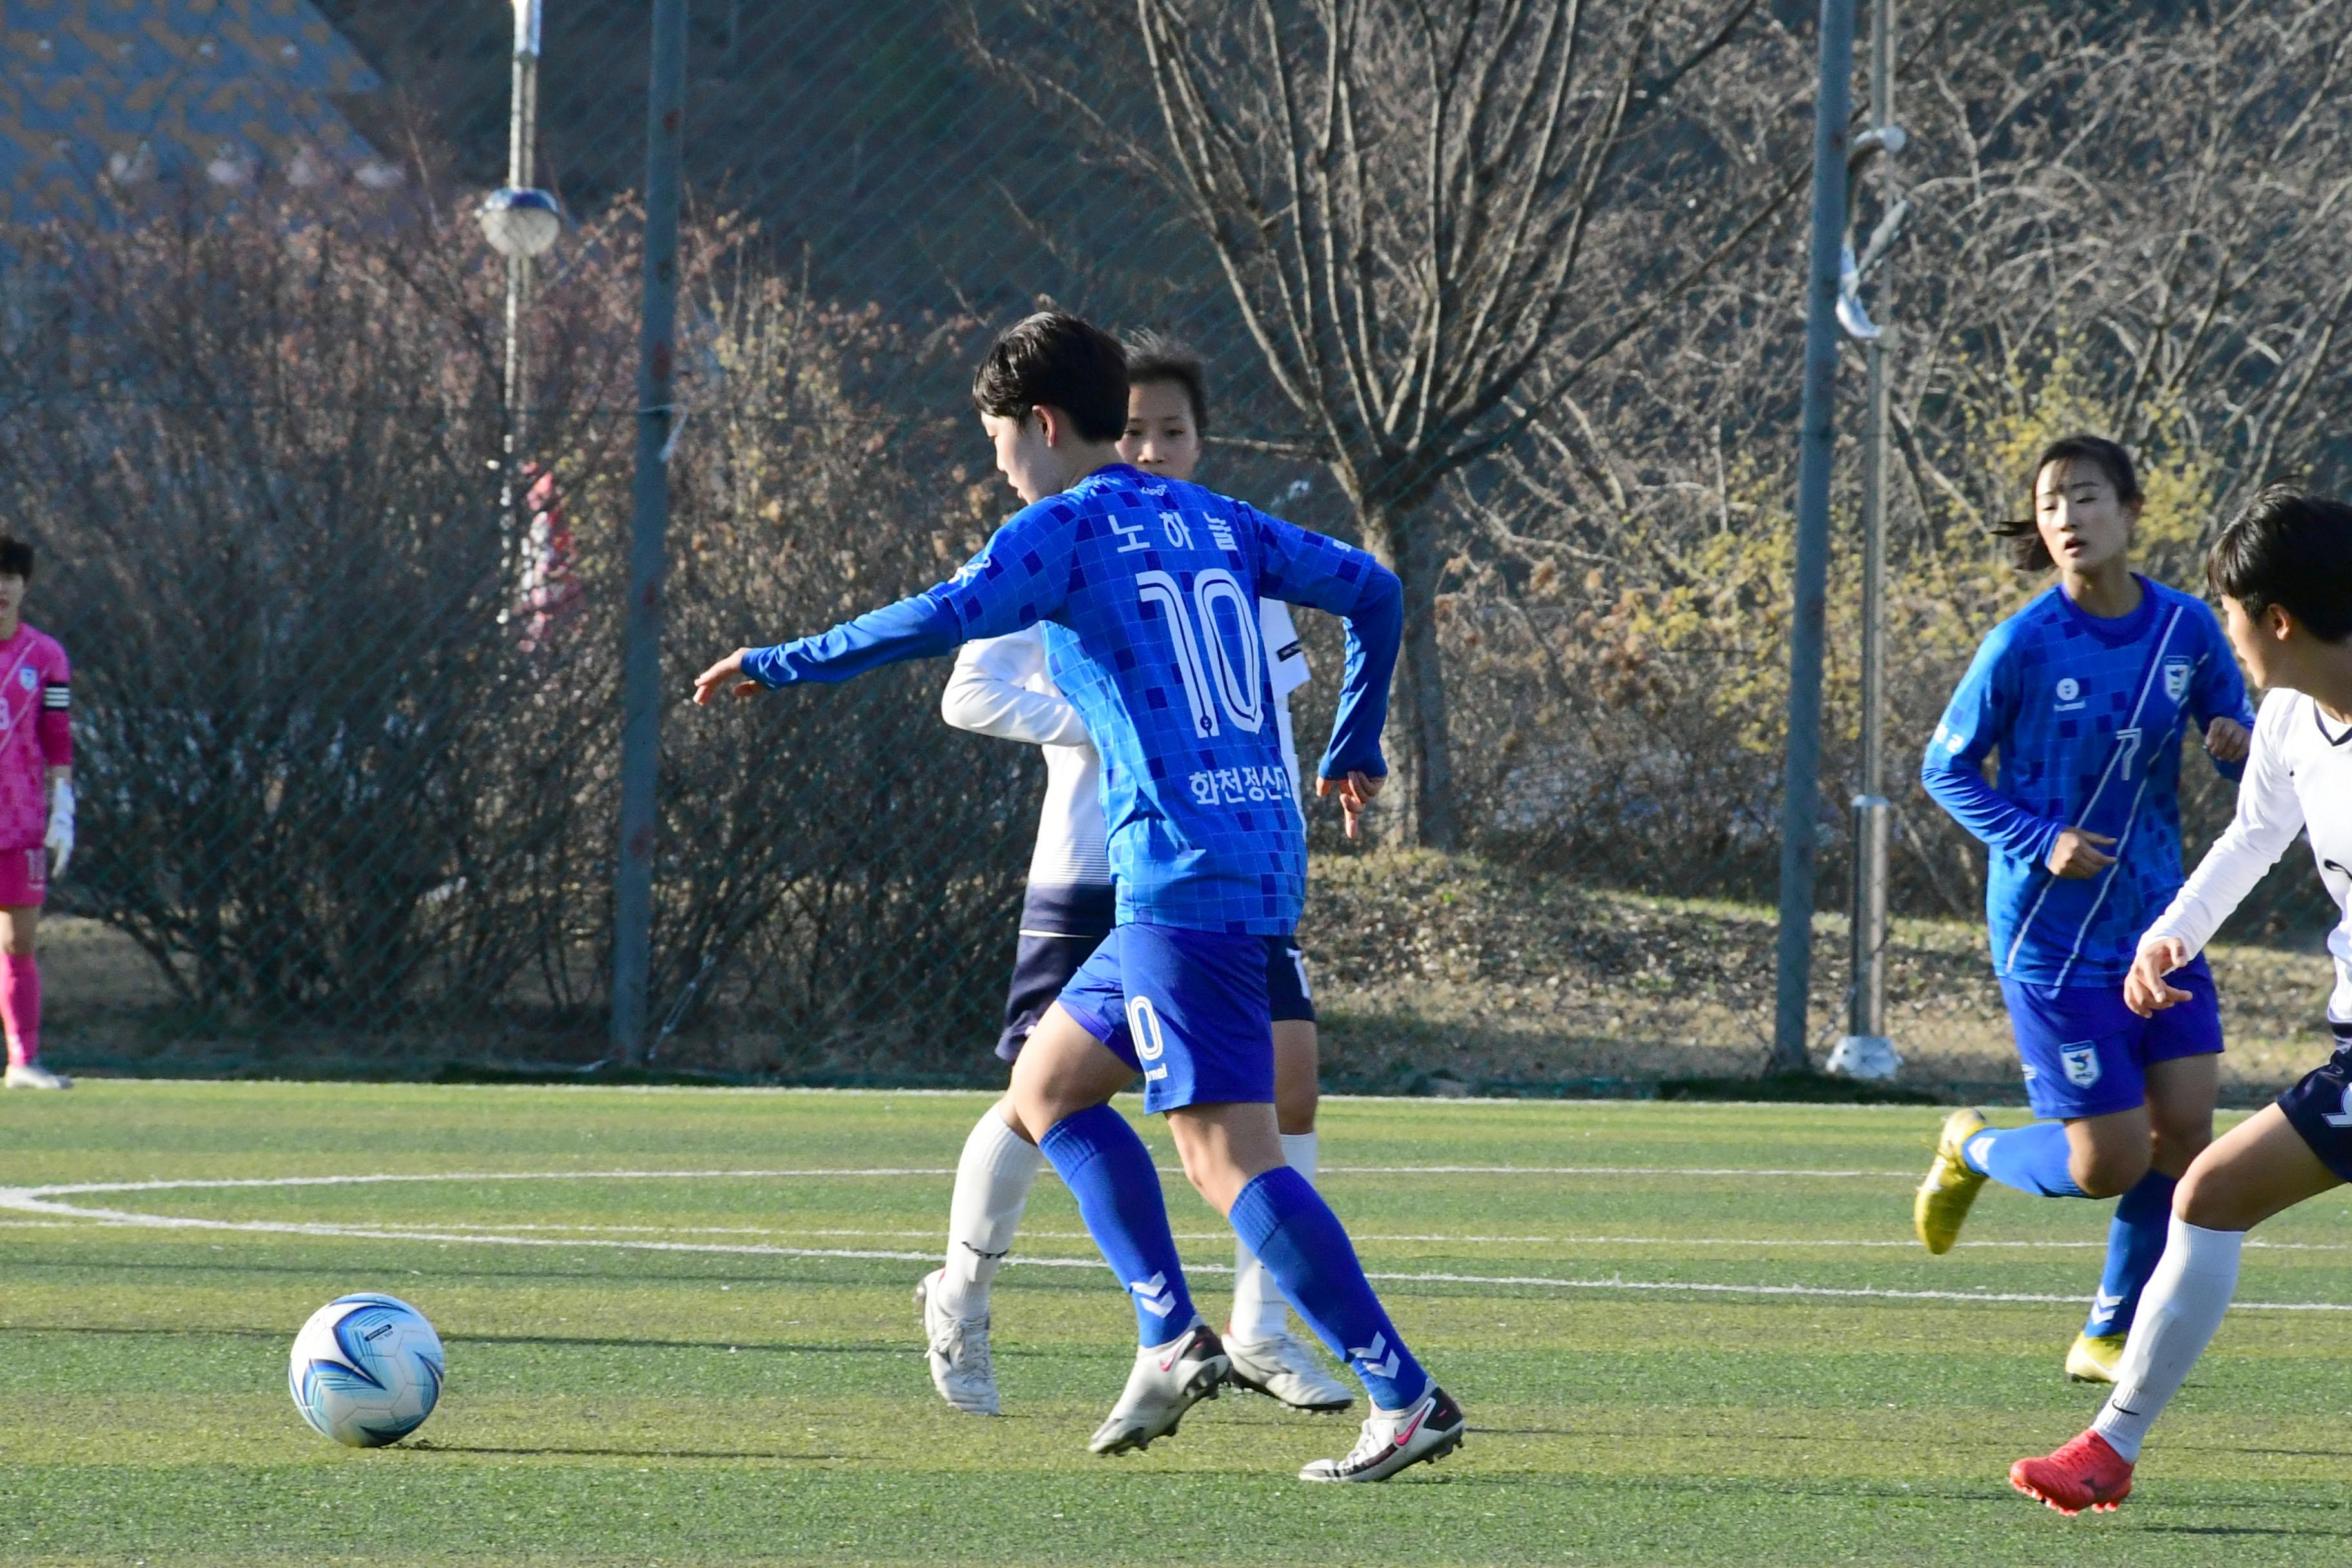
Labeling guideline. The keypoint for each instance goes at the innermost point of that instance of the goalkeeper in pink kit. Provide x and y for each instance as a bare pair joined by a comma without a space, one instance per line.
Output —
36,807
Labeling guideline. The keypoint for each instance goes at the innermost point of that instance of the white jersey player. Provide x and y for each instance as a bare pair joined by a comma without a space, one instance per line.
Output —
2284,568
1000,688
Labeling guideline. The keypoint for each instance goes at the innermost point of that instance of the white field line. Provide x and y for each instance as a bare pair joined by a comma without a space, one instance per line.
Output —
853,1173
1360,1237
45,1200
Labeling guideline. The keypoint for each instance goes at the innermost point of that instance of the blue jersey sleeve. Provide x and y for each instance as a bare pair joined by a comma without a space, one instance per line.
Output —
1978,719
1302,568
1019,578
2217,690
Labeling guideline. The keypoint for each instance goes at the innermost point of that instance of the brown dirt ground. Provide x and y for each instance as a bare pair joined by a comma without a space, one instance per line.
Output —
1452,967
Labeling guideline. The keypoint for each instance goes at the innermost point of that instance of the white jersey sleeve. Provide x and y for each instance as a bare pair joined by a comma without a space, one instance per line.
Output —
1286,669
999,688
2298,780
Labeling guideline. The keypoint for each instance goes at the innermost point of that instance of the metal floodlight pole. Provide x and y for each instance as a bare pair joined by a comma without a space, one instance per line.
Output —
1800,803
657,425
1866,1015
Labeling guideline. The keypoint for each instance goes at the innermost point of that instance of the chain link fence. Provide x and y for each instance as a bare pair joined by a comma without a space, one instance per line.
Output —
348,756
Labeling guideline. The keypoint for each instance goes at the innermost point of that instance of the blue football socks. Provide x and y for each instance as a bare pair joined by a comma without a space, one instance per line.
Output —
1295,1234
2135,1243
1109,1172
2031,1158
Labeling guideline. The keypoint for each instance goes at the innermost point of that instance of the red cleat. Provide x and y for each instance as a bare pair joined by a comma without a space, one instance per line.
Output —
2085,1473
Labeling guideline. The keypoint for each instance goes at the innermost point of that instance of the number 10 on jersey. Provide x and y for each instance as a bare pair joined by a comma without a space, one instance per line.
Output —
1216,674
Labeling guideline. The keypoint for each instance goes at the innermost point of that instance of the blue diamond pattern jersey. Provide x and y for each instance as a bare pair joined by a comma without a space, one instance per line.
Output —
2087,715
1149,590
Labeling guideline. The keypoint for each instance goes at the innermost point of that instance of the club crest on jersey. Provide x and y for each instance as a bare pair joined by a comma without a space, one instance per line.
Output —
2175,678
2081,1062
27,679
2070,693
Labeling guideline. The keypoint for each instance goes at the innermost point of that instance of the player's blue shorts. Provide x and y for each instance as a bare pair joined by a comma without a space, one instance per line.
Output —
1061,928
2087,1054
1187,1009
2320,1107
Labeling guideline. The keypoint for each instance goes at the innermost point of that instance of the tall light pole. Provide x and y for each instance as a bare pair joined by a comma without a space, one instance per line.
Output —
1816,448
1864,1051
520,222
657,424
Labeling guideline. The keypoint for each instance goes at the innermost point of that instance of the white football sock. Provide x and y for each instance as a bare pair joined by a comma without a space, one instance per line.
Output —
2178,1312
1260,1311
991,1188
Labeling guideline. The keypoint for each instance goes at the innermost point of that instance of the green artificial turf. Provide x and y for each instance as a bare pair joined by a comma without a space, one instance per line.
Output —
700,1368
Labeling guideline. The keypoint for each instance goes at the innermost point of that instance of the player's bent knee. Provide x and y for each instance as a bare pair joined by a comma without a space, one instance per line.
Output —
2108,1173
2209,1199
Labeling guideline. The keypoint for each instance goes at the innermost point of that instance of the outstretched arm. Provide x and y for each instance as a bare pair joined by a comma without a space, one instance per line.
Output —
1017,579
2269,816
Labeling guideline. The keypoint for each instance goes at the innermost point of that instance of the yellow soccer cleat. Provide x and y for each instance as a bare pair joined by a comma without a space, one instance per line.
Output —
2093,1357
1944,1197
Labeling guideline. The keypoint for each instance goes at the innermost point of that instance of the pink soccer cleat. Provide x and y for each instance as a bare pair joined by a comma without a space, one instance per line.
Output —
2085,1473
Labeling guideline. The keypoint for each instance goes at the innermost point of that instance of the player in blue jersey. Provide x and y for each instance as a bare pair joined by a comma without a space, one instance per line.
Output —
2087,694
999,687
1149,591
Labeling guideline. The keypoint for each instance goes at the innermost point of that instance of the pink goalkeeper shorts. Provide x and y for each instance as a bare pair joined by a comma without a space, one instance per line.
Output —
23,877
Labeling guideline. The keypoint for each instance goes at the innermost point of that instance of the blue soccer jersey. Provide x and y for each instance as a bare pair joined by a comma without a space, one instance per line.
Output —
2087,715
1149,590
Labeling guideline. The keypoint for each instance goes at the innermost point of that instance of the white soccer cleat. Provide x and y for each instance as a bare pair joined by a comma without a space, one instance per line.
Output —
1394,1440
961,1368
1281,1368
33,1075
1168,1380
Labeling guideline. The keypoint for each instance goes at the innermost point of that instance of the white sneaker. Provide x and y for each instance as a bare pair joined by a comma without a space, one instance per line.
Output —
961,1369
1168,1380
33,1075
1393,1439
1282,1368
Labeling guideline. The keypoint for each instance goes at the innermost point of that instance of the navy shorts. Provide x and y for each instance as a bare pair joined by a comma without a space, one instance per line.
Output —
1187,1009
1287,997
1061,928
2320,1107
2087,1054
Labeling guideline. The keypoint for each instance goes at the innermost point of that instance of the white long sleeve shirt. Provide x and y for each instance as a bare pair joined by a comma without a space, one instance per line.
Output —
1000,688
2298,780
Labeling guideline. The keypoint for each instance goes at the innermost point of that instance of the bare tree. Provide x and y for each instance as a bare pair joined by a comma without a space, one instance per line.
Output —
1433,219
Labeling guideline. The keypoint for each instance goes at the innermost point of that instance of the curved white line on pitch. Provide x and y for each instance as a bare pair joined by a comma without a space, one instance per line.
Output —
60,1189
43,1201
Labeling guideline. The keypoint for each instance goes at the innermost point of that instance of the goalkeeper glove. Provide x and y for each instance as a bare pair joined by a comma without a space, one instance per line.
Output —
59,839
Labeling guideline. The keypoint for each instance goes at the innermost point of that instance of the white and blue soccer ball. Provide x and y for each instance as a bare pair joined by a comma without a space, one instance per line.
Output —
366,1369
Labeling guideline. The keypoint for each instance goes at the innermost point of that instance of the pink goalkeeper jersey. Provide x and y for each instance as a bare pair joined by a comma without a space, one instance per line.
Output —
36,732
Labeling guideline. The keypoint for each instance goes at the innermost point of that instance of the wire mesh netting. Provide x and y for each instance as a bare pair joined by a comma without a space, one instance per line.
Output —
1526,325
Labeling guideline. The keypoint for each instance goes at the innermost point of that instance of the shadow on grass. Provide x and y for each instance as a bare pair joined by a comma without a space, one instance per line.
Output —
723,1347
429,1447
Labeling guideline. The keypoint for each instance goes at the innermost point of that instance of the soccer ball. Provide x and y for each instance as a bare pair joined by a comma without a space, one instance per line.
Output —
366,1369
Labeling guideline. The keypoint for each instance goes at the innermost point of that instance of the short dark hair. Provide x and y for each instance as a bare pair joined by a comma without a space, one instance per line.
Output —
2292,549
2026,550
16,559
1052,360
1155,358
